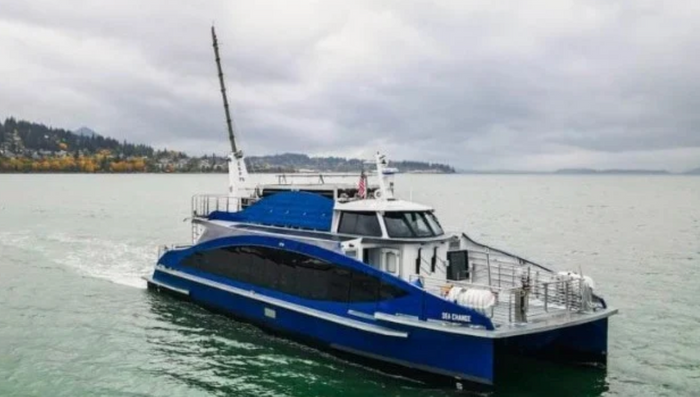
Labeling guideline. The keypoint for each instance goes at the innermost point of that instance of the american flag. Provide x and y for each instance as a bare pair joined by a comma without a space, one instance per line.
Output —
362,185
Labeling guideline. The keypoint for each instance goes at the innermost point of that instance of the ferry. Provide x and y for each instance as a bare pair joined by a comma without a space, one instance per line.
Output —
356,270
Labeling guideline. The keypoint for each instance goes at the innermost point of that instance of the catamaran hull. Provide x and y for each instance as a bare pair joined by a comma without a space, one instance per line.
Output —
428,355
398,350
583,343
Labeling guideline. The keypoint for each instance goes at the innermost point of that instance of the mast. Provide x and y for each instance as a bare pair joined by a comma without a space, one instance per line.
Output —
231,137
237,171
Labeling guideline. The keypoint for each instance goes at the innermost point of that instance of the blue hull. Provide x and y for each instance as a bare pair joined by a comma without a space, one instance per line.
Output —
585,343
441,357
439,362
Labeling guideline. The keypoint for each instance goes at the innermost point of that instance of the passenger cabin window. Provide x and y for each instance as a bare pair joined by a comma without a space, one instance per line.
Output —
360,223
293,273
412,224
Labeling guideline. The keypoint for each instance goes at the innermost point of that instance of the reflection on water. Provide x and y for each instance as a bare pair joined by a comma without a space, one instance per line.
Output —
222,356
535,377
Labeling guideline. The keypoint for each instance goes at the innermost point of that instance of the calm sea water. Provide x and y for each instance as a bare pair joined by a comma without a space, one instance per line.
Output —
76,319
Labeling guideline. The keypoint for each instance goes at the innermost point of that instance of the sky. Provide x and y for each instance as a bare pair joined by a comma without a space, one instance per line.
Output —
522,85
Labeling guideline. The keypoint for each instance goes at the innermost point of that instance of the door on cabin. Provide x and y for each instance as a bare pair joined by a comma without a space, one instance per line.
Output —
390,261
458,265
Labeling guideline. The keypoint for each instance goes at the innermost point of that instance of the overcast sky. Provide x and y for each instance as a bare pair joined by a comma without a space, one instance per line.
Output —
534,85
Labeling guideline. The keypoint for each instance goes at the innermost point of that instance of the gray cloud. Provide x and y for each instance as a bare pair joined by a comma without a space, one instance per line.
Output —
533,85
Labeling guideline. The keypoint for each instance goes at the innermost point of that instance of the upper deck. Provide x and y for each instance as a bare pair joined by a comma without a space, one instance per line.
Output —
312,210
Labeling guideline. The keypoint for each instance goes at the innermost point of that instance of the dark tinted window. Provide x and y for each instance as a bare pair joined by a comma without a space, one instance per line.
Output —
411,224
418,223
293,273
360,223
388,291
313,278
434,224
365,288
339,284
396,225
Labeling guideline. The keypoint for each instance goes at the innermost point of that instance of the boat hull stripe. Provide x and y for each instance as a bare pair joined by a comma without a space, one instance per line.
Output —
167,286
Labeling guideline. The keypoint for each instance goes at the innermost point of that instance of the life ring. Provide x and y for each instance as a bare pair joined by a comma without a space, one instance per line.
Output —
377,194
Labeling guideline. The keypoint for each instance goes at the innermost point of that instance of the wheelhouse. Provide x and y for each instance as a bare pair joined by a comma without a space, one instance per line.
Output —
394,219
402,238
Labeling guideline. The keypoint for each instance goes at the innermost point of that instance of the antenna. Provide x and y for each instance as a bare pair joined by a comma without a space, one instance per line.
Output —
385,193
231,137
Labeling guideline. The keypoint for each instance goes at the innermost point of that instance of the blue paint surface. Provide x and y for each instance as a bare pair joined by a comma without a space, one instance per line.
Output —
470,357
286,209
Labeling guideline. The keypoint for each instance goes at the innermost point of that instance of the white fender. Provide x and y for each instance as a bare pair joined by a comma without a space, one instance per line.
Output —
575,276
474,298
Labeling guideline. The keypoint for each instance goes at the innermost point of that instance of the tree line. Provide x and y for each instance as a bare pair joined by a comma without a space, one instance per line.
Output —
33,147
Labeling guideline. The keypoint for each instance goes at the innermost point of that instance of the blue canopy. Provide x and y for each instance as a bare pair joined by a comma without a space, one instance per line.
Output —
286,209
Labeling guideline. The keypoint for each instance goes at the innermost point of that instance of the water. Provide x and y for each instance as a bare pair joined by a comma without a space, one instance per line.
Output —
76,320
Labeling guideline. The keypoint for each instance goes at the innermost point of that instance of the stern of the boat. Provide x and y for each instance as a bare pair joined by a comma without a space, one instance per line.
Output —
585,343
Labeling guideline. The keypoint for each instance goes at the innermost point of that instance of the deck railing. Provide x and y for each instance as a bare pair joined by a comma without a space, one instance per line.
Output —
528,301
162,249
313,178
204,204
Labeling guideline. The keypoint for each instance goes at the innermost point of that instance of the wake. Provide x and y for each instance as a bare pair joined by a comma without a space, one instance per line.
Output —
119,262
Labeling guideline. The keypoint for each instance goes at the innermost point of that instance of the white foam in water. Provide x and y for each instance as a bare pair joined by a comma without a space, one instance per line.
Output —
119,262
20,239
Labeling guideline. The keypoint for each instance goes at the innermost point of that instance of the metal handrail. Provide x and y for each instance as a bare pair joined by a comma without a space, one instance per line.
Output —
288,178
162,249
204,204
443,265
541,299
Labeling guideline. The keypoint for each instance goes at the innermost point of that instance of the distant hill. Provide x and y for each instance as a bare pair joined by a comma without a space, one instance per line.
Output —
585,171
84,131
575,171
34,147
693,172
300,162
18,136
501,172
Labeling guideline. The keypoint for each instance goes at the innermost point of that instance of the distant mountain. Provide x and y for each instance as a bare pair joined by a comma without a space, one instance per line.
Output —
294,162
22,137
573,171
85,131
32,147
693,172
588,171
501,172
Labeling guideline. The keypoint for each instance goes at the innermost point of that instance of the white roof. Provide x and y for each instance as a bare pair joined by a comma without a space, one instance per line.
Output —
380,205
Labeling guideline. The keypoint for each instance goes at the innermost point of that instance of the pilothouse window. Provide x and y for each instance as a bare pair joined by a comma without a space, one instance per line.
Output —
396,225
417,222
434,224
360,223
412,224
